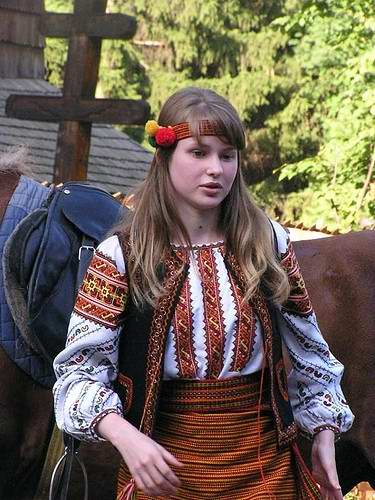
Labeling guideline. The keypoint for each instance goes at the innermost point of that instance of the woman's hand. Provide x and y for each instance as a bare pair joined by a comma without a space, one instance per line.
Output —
147,461
324,465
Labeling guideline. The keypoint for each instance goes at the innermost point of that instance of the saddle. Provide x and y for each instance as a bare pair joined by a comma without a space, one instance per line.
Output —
46,257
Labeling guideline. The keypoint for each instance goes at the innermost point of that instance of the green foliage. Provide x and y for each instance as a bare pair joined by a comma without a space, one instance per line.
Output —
301,74
222,45
56,48
326,133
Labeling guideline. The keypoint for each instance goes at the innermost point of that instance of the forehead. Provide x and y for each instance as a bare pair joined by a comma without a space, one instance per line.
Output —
211,141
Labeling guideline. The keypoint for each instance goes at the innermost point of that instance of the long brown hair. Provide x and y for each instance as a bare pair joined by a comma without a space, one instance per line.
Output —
154,220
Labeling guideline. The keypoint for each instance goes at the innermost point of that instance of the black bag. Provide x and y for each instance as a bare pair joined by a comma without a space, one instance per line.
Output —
46,257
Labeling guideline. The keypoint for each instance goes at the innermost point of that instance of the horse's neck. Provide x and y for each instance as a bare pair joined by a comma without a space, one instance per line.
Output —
8,183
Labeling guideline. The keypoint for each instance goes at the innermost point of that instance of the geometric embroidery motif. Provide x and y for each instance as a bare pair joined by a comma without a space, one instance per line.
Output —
298,301
213,313
245,330
182,328
103,294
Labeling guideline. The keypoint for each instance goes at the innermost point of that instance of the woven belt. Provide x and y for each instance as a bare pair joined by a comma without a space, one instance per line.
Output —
214,395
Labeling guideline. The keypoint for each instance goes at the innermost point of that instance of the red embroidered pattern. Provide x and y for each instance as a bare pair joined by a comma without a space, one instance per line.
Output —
245,330
182,130
182,327
213,313
288,434
103,293
159,330
298,301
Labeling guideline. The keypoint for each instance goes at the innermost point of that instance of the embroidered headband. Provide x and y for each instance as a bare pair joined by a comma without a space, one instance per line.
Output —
166,137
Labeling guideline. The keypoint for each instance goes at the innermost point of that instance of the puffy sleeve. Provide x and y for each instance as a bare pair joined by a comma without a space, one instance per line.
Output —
314,381
88,366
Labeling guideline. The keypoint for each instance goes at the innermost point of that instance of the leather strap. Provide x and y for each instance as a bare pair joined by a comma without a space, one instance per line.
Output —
59,486
61,479
55,450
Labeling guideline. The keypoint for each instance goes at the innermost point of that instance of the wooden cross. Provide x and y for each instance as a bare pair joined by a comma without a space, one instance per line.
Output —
77,109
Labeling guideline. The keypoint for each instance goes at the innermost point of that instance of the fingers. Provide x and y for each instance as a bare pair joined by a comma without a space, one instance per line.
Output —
328,490
169,458
153,482
327,482
153,475
149,463
168,474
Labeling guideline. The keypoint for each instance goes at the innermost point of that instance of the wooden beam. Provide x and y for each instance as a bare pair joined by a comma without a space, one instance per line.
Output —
80,78
110,26
72,151
82,67
57,109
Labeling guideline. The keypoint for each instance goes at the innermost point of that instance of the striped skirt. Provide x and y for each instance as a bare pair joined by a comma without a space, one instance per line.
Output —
223,432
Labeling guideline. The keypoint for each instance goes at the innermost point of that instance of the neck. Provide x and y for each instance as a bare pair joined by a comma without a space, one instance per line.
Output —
202,227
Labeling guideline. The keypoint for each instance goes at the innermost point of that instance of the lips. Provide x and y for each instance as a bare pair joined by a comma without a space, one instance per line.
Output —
212,185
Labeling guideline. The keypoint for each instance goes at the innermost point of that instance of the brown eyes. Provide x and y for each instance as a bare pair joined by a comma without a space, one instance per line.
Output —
228,157
197,153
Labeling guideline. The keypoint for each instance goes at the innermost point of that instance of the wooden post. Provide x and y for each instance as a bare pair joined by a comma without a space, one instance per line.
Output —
78,108
73,139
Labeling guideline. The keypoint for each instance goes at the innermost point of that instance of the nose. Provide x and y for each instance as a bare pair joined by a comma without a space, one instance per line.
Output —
214,167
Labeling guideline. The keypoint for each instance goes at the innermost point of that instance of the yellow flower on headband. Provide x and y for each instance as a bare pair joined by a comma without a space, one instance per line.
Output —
151,128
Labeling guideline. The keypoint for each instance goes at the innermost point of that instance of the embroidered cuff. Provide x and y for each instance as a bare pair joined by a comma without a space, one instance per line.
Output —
329,427
310,435
98,418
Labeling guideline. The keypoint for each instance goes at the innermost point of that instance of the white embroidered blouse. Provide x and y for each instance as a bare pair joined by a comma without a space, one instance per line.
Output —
212,334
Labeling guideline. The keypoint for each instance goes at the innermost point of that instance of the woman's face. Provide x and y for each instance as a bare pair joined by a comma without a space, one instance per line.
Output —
202,174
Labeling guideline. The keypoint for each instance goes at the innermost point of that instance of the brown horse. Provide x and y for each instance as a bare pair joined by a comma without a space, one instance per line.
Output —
26,411
25,421
340,275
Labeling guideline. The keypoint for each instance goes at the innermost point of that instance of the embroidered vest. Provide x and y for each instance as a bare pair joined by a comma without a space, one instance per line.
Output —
142,345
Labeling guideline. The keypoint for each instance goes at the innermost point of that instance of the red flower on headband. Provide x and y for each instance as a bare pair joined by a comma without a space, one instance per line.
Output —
165,137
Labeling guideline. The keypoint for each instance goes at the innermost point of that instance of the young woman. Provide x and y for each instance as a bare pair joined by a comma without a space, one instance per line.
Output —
174,352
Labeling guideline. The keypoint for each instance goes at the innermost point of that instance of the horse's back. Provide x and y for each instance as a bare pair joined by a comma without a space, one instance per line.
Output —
340,277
